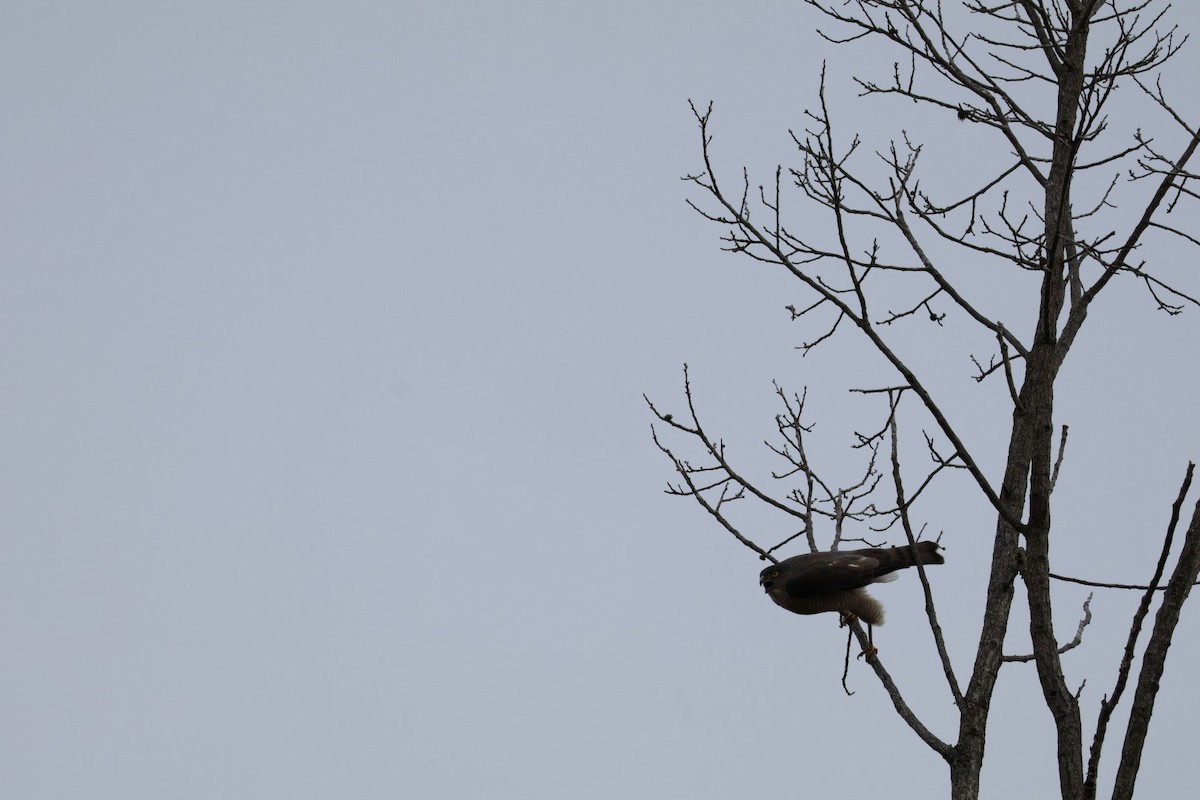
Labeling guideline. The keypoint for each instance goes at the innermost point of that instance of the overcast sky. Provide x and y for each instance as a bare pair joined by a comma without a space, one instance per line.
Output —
325,466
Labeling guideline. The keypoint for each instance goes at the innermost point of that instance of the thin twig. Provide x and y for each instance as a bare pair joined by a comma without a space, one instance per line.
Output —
1078,640
1102,585
930,609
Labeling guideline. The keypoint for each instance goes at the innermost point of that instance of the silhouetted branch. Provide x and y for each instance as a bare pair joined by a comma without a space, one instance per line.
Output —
1103,585
1084,621
930,609
1109,704
927,736
1154,659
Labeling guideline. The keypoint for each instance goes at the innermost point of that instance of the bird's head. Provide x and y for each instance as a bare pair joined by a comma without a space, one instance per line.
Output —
769,576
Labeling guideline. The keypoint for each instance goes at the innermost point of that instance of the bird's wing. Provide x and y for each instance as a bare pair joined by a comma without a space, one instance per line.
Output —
822,573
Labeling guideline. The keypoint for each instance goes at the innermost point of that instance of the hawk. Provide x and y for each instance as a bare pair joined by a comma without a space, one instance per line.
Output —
835,581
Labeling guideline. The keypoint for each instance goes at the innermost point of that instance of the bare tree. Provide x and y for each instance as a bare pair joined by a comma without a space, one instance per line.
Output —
1074,205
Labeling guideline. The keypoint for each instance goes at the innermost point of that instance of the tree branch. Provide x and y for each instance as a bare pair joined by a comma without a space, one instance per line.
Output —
930,609
902,708
1084,621
1187,568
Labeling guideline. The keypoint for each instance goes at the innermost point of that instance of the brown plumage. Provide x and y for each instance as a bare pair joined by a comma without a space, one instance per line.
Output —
834,581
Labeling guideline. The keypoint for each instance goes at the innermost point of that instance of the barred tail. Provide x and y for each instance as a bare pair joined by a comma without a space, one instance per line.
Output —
894,558
927,553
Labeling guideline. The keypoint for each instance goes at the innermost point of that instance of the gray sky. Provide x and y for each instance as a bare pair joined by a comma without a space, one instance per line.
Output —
325,464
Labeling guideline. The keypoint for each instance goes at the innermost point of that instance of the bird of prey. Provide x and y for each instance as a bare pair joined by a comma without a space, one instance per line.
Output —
834,581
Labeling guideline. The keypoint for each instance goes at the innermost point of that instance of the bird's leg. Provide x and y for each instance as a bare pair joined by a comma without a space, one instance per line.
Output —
871,650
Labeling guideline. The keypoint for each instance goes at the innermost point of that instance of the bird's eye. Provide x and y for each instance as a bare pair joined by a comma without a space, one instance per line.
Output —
773,573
